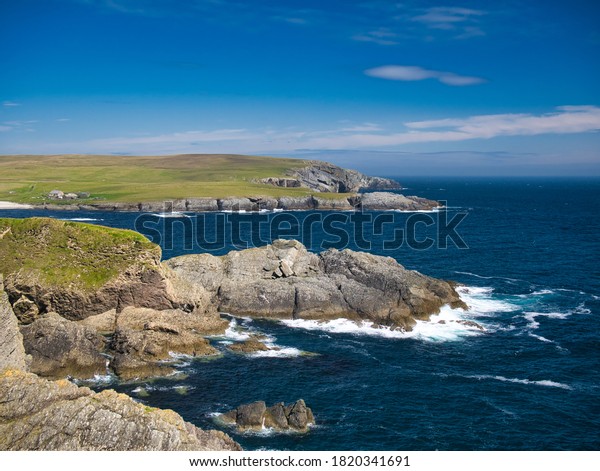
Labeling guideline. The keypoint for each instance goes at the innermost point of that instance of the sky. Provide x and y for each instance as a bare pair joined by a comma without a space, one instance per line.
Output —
456,88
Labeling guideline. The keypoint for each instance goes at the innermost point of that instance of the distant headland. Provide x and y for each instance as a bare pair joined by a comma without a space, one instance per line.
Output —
194,183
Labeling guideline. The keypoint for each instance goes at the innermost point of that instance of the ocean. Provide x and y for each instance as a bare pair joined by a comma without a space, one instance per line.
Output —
526,254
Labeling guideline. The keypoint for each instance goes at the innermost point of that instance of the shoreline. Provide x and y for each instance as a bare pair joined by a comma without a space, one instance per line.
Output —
376,201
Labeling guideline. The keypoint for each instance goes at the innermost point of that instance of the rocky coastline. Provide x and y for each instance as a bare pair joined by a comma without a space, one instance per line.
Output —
373,201
78,300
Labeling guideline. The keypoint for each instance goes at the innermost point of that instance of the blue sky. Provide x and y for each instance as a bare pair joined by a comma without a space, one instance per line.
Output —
391,87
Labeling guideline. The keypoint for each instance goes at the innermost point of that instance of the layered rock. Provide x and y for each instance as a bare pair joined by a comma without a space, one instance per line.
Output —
328,178
37,414
60,348
79,270
256,416
382,201
285,281
145,339
12,352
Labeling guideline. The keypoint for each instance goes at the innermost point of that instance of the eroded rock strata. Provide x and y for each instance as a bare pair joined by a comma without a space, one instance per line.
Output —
374,201
37,414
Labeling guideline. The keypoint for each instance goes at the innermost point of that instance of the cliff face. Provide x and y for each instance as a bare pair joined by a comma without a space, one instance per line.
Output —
12,353
285,281
80,270
329,178
37,414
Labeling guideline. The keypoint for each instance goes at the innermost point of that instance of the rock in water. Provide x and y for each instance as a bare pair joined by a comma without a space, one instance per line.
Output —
12,353
37,414
256,415
285,281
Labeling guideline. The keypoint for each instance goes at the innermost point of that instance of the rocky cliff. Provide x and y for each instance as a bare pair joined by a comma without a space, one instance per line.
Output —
328,178
80,270
376,201
37,414
71,285
12,352
285,281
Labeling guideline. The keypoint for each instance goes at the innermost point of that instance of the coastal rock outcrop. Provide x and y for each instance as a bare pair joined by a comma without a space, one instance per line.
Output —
144,339
383,201
285,281
37,414
256,416
328,178
80,270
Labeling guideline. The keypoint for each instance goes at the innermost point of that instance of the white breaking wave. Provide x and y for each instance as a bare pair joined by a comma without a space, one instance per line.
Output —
544,382
531,316
481,303
234,332
174,214
441,327
277,352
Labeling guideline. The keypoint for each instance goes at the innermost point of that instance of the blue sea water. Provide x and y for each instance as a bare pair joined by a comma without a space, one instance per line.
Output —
531,381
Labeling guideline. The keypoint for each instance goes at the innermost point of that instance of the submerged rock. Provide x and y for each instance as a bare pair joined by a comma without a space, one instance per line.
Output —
285,281
251,345
256,416
37,414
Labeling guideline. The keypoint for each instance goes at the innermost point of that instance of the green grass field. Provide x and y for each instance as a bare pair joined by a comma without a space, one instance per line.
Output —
29,178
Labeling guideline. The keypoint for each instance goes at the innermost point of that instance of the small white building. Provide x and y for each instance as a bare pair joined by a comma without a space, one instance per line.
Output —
56,194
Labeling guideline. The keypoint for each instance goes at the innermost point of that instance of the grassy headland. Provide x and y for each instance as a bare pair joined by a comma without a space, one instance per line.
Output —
29,178
61,253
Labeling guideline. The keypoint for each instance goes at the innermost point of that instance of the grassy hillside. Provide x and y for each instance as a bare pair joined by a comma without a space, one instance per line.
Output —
29,178
60,253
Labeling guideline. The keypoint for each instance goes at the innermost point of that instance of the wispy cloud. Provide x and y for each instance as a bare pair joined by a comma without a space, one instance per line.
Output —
63,120
447,18
10,104
563,120
409,73
383,36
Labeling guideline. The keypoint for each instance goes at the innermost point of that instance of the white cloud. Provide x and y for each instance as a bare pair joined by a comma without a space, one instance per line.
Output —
5,128
563,120
10,103
447,17
383,36
414,73
63,120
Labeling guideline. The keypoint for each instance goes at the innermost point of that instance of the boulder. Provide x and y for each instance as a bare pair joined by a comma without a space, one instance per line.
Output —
37,414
